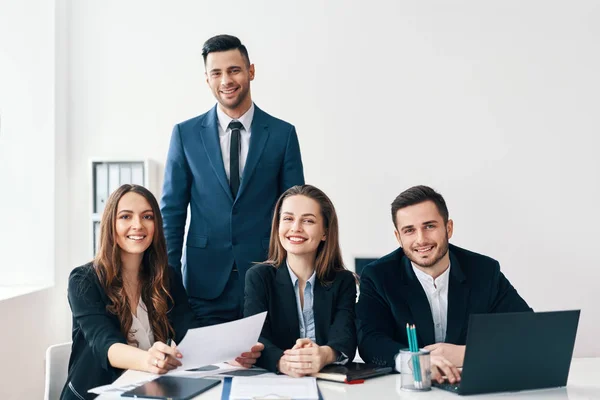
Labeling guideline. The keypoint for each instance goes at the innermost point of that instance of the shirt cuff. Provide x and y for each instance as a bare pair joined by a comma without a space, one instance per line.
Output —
341,359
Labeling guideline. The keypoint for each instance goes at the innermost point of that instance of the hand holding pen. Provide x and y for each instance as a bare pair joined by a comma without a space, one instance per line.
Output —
163,357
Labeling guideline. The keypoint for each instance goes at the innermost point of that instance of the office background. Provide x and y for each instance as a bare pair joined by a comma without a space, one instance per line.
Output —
495,104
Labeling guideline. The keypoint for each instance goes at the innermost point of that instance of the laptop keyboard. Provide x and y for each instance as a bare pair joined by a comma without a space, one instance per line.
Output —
451,387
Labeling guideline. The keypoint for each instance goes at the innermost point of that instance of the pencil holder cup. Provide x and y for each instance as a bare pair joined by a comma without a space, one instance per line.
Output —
415,370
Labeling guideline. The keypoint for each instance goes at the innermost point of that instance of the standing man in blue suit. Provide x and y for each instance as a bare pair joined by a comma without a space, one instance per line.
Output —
230,165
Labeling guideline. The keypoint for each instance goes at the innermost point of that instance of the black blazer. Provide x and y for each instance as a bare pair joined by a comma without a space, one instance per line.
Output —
95,330
392,296
270,289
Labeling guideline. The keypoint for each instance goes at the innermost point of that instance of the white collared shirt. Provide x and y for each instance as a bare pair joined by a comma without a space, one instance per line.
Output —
140,327
437,295
225,137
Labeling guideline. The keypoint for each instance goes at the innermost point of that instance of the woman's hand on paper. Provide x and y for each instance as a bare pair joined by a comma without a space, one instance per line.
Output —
162,358
248,359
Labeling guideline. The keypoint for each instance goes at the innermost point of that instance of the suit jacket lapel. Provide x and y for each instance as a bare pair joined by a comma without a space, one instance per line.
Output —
212,146
258,140
287,298
322,311
458,296
418,304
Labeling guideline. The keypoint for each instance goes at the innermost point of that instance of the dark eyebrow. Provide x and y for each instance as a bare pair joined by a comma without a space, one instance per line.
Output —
406,227
131,212
430,222
303,215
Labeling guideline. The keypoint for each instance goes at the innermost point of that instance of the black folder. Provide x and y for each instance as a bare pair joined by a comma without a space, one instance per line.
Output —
172,388
351,372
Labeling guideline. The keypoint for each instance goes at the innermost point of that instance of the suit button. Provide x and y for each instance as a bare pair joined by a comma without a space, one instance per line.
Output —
234,242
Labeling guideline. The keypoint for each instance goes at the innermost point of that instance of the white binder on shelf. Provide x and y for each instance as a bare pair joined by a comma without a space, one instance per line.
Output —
114,179
125,174
137,174
100,187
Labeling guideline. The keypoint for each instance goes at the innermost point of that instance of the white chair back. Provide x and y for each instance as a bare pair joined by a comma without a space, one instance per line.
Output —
57,361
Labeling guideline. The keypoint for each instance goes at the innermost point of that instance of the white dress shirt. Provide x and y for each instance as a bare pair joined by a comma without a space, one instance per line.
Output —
140,327
225,137
437,295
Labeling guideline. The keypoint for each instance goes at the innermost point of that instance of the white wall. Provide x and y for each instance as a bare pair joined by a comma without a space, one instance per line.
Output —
27,116
30,323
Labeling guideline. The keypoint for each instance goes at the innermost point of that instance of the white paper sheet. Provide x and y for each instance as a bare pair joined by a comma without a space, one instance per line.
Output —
219,343
274,387
130,379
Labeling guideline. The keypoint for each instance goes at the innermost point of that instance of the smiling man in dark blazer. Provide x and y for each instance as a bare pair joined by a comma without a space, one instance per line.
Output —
229,165
429,283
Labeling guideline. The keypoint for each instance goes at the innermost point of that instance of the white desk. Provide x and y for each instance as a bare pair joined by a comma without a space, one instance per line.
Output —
584,384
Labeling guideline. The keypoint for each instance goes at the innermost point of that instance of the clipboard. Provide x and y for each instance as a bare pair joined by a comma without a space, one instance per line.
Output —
227,390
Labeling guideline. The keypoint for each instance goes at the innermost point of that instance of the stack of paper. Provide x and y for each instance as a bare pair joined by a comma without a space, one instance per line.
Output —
274,388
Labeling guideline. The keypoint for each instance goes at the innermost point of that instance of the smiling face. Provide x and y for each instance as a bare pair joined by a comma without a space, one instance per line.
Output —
301,229
228,75
423,235
134,225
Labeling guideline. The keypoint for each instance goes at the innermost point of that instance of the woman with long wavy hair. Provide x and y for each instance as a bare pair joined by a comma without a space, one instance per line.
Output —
127,303
304,286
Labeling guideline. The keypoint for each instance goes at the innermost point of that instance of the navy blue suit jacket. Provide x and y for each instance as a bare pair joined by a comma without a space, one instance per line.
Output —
271,289
223,229
392,296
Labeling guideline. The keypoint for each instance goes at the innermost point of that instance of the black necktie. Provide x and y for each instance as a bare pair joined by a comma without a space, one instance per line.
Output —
234,157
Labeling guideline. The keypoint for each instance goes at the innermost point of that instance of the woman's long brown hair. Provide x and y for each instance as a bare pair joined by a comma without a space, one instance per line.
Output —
154,277
329,256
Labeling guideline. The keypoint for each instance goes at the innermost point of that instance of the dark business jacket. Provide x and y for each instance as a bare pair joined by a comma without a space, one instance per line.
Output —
270,289
392,296
223,229
95,330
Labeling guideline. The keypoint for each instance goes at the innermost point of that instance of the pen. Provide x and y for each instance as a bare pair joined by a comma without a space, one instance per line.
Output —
169,341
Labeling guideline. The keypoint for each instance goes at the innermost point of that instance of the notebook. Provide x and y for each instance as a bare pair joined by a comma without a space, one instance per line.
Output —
172,387
517,351
351,373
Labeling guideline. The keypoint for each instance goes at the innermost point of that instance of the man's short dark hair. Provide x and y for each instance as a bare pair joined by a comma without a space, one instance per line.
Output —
417,195
224,43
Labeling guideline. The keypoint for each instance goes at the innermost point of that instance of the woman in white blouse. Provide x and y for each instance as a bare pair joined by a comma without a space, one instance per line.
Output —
128,303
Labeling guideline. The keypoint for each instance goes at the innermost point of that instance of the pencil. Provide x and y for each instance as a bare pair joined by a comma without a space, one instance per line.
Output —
416,361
